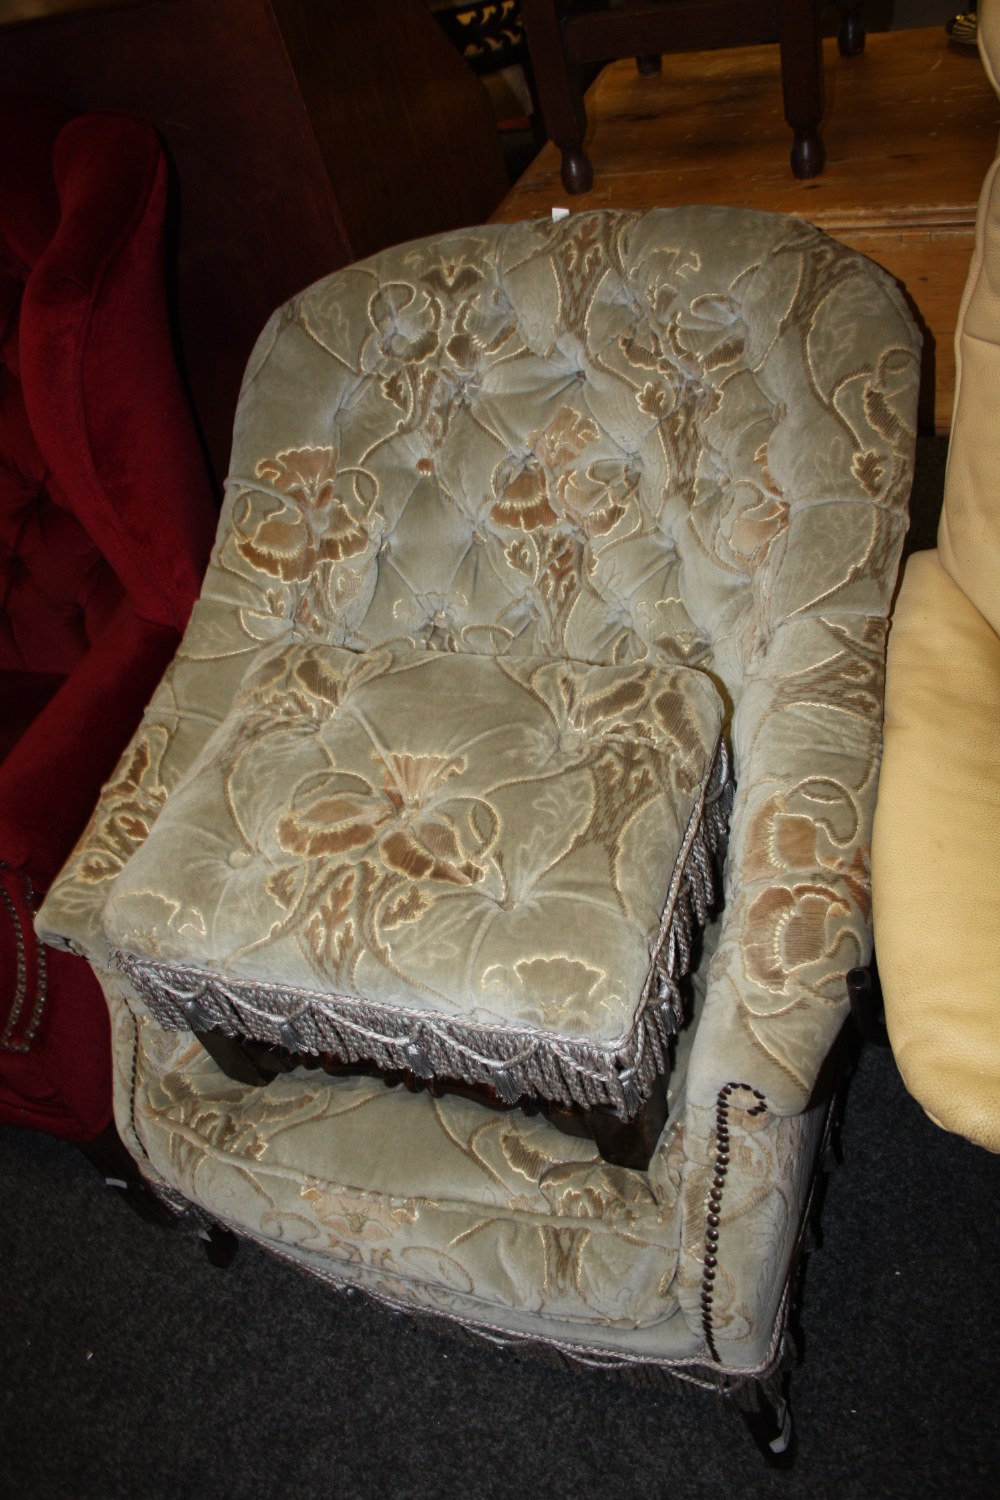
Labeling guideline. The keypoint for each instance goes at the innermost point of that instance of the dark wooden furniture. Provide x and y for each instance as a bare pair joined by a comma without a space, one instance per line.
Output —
303,134
910,136
565,35
624,1143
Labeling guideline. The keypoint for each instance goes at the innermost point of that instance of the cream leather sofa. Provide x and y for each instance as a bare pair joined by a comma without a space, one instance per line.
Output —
936,851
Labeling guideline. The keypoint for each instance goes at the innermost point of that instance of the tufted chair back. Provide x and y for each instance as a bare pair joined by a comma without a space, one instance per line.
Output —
584,439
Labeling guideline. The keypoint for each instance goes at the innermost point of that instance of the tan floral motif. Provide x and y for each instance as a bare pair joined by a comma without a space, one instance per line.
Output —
804,844
596,500
128,809
790,829
523,486
596,439
414,839
522,497
321,521
356,1217
407,324
564,438
328,825
560,987
790,928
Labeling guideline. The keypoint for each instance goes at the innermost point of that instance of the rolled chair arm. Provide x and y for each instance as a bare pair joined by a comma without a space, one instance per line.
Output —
173,730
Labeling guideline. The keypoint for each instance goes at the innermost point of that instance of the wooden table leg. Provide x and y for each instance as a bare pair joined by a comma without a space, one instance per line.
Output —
802,84
559,93
851,31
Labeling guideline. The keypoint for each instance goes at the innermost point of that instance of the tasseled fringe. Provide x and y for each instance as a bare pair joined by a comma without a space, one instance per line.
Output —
517,1063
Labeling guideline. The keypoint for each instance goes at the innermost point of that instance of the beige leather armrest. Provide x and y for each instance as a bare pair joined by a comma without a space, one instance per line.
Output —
936,853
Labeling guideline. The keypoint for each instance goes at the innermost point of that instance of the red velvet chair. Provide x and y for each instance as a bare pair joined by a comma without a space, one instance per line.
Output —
106,519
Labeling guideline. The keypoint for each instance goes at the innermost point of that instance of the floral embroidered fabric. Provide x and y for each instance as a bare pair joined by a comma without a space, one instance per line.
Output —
474,867
680,438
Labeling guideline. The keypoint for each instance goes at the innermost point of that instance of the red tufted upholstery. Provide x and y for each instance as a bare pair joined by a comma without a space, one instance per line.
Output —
106,518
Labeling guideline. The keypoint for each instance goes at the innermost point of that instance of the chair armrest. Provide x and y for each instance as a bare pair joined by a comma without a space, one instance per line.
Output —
191,700
806,738
238,612
51,779
936,872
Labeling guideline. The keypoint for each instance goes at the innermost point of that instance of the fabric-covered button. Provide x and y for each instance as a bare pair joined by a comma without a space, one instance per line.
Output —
239,859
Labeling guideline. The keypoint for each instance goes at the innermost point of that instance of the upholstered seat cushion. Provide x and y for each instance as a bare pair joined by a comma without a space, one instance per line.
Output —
475,867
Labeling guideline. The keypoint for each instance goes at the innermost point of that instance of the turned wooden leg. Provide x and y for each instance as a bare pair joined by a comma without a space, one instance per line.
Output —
802,85
851,31
242,1060
560,96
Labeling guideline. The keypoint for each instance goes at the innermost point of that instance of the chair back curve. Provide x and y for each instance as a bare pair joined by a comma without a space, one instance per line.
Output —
582,439
679,436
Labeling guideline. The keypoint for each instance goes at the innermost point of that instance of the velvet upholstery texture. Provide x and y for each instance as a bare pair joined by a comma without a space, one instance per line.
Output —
630,442
105,526
470,865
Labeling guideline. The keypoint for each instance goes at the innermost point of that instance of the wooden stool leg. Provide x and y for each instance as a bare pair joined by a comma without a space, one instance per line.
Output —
624,1143
802,83
559,93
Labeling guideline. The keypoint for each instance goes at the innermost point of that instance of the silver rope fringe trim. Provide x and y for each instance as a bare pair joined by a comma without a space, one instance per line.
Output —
518,1063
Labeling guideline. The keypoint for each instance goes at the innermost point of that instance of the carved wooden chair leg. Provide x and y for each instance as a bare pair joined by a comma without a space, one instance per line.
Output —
108,1154
242,1060
630,1143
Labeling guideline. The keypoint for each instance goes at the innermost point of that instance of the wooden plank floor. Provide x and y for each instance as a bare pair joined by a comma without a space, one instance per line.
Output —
910,130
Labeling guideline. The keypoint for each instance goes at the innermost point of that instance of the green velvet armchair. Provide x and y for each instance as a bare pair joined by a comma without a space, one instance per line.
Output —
552,555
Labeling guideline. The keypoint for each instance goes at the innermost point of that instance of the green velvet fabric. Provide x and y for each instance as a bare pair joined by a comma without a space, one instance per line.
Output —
471,866
681,438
